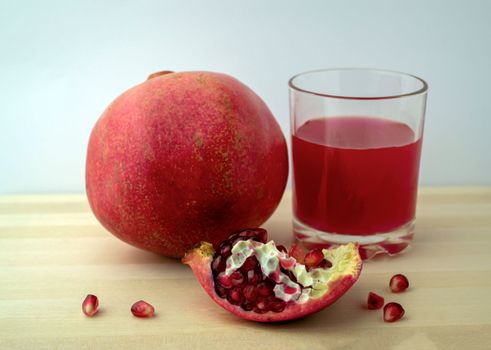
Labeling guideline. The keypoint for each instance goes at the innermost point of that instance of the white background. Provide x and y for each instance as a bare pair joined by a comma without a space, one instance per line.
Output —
63,62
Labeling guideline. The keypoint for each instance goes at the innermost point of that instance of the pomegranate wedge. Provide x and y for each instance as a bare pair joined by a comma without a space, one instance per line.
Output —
255,280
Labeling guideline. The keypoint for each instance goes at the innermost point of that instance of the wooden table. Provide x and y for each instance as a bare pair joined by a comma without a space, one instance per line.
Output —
53,252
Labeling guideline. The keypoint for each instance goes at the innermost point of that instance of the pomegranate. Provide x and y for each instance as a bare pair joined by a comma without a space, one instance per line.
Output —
185,157
255,280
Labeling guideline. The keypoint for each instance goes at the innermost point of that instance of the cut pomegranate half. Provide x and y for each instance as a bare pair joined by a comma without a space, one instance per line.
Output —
257,281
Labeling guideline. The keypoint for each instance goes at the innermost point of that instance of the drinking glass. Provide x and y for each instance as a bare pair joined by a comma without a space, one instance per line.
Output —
356,146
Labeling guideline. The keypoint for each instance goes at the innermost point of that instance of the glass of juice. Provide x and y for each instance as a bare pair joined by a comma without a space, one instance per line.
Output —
356,147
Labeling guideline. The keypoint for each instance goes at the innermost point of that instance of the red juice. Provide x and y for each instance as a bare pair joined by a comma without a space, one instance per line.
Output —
355,175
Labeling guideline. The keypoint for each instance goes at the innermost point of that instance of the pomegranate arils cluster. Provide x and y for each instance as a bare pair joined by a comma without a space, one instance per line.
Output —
392,311
247,286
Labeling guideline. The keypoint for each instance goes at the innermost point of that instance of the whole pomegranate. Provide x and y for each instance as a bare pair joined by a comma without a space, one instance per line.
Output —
183,158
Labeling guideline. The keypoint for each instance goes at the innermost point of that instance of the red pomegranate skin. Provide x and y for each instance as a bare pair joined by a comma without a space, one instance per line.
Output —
183,158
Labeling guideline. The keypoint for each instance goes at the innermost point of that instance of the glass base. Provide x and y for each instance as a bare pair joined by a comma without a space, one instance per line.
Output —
391,243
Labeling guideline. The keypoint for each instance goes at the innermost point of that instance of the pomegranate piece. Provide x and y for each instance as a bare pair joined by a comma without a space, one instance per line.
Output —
90,306
374,301
393,312
259,281
142,309
398,283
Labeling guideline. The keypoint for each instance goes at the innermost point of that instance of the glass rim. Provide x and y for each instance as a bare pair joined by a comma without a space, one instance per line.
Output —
419,91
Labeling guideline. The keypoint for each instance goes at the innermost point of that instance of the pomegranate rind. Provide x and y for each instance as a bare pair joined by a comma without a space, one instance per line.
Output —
346,268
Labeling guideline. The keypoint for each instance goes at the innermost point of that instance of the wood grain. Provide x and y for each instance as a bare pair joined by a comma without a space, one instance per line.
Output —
53,252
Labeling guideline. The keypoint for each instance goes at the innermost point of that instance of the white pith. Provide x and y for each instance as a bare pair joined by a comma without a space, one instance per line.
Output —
314,282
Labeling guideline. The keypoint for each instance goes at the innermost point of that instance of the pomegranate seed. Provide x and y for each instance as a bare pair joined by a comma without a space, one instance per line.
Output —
264,289
247,306
297,252
254,276
277,306
259,233
314,258
236,278
398,283
90,306
250,292
142,309
226,250
261,306
224,280
393,312
374,301
281,248
275,276
221,291
218,265
235,296
249,264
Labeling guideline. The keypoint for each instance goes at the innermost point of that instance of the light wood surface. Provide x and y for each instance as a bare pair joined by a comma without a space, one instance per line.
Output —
53,252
